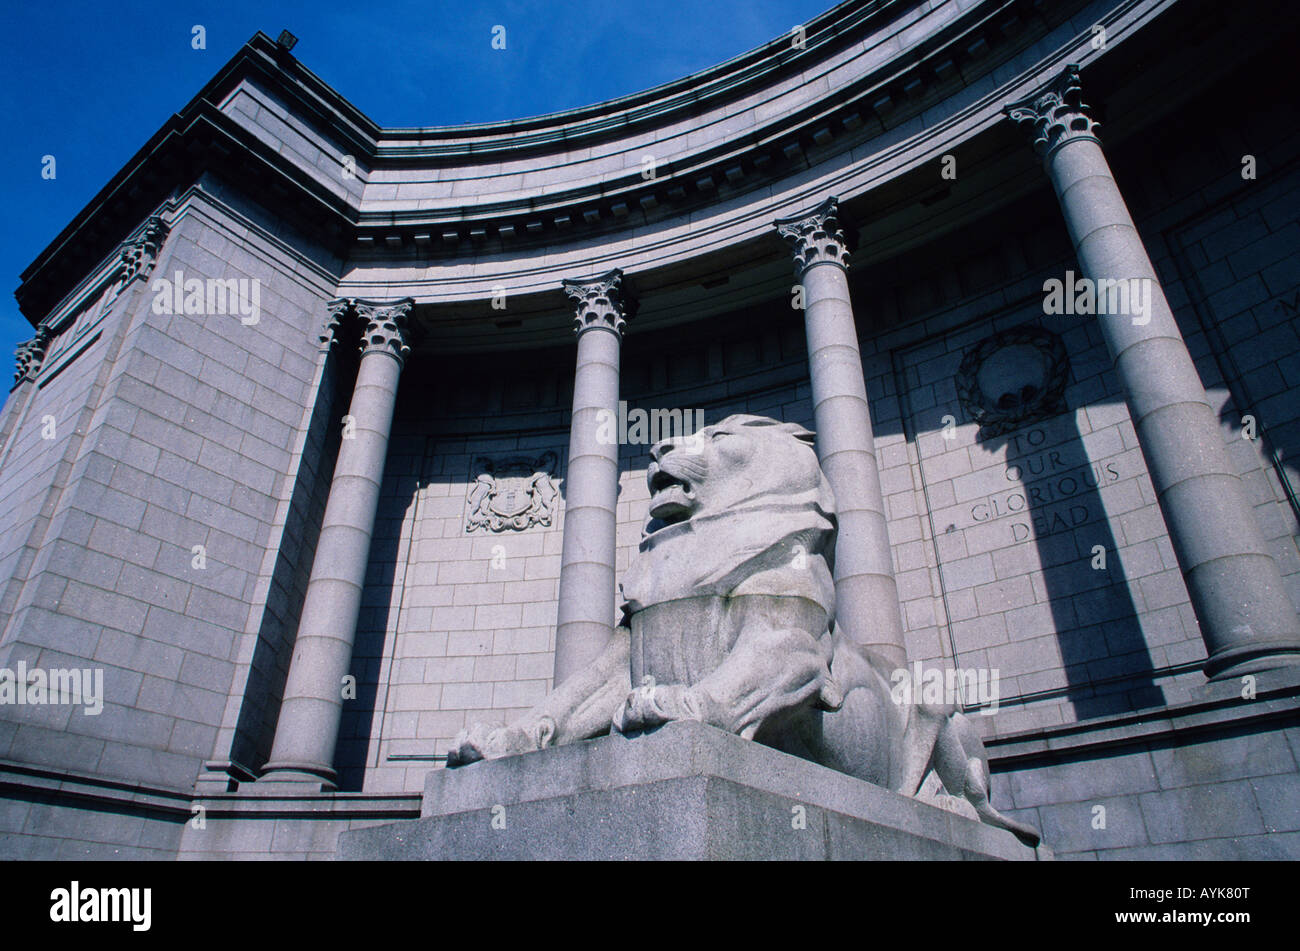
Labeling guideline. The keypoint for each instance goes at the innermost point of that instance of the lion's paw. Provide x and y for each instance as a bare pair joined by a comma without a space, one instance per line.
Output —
469,746
652,705
492,742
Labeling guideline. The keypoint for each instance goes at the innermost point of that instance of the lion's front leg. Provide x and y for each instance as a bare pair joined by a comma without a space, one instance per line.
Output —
576,710
769,672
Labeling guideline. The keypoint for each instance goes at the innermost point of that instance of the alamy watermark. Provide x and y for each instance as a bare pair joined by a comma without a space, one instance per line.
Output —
640,427
58,685
77,903
965,687
1082,296
209,296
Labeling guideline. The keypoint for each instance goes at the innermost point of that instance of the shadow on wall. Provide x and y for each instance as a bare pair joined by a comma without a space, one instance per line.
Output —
404,478
269,670
1097,626
1025,530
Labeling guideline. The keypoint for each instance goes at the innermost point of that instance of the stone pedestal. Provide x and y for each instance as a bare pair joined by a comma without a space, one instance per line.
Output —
685,791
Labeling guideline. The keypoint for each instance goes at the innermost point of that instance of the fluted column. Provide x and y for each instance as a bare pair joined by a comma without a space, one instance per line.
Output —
866,594
307,731
585,619
1246,618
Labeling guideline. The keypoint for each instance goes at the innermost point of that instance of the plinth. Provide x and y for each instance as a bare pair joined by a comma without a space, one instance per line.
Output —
684,791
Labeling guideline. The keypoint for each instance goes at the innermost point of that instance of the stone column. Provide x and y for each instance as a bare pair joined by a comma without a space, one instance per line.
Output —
866,595
585,619
307,731
1246,618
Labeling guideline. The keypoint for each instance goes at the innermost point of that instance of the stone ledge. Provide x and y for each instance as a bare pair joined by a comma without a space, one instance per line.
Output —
79,787
1215,705
19,781
298,805
685,791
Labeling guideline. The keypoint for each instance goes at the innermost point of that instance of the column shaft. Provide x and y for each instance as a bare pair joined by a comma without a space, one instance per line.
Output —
866,593
1246,617
585,616
307,730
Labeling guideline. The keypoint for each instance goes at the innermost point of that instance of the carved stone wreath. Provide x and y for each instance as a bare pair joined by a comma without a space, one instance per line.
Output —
1014,377
512,494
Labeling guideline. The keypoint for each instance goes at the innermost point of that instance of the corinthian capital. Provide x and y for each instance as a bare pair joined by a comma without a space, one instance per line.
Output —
1055,114
31,354
605,302
342,317
816,237
386,325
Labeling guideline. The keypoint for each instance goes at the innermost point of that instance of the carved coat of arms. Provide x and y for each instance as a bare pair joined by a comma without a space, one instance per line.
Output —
512,494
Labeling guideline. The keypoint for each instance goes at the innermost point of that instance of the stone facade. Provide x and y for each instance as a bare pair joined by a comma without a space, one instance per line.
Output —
178,488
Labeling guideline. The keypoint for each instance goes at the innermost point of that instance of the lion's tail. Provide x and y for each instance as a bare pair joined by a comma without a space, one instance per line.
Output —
962,766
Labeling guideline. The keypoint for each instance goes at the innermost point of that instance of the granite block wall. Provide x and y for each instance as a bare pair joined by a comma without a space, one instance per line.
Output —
247,829
1046,556
45,422
1236,263
1229,790
44,828
184,438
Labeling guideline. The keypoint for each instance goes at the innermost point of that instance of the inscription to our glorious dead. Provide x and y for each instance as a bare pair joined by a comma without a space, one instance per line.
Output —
1018,480
1050,492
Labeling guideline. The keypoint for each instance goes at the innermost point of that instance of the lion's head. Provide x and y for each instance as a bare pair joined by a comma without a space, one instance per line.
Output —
737,463
740,504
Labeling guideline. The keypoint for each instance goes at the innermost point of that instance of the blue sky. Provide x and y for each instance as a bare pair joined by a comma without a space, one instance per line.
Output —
90,82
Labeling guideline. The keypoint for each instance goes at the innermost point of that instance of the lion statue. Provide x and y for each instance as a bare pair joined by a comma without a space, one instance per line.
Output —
729,619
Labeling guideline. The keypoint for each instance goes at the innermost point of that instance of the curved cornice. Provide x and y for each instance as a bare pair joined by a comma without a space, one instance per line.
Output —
721,223
444,213
771,63
735,129
787,142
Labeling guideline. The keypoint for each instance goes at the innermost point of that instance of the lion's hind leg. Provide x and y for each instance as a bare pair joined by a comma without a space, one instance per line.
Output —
925,724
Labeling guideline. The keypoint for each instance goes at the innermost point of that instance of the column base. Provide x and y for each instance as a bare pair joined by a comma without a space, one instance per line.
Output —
294,778
1252,659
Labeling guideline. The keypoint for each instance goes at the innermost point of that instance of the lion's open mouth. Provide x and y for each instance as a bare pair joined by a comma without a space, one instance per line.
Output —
671,497
663,480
